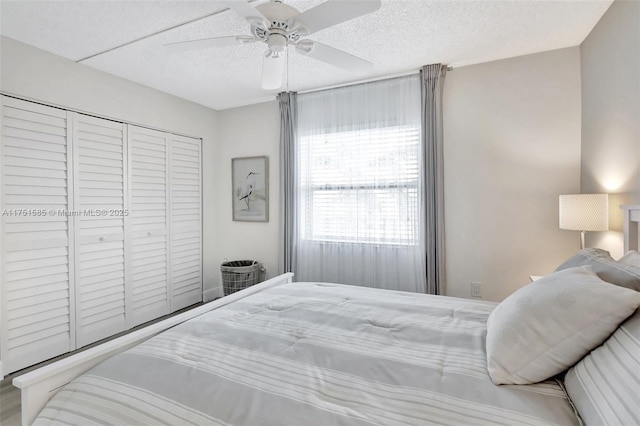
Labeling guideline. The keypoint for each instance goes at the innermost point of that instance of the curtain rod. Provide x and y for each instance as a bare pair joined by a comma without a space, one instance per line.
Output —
370,80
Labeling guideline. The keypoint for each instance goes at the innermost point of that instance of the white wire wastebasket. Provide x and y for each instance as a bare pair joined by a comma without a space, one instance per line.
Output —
239,274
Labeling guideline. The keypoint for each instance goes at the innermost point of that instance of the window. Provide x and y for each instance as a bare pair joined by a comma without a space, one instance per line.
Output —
357,206
361,186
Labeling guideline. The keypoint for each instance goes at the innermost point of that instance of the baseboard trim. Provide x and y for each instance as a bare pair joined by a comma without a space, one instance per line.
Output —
211,294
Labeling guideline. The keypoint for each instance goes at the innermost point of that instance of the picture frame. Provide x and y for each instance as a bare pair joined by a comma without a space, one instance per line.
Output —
250,189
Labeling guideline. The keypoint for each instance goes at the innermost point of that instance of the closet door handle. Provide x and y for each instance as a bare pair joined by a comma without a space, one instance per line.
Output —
149,233
101,239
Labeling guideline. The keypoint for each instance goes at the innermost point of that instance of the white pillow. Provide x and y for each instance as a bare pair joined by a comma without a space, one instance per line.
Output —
618,273
550,324
631,258
605,385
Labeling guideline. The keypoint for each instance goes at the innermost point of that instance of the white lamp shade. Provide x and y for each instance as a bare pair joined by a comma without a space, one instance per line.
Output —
584,212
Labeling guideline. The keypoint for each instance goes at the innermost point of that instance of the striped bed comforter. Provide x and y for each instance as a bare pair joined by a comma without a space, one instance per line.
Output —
312,354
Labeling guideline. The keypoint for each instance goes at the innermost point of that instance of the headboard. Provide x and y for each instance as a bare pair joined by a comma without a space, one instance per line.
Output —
631,219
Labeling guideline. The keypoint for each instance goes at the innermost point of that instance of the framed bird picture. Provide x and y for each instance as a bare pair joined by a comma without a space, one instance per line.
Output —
250,181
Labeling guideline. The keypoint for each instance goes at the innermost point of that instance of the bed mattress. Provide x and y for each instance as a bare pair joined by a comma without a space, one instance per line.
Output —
312,354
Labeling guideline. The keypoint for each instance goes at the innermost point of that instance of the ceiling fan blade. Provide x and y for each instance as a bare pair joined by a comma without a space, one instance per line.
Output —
244,9
272,70
331,55
207,43
334,12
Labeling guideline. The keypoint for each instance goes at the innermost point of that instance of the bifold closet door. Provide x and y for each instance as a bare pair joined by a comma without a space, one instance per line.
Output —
186,221
99,199
149,229
36,287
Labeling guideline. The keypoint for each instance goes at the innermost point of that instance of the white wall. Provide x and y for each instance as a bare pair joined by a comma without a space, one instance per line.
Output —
611,115
512,145
38,75
244,132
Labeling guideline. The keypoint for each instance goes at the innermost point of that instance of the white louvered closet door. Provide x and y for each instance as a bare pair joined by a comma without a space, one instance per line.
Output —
186,222
37,290
100,193
149,229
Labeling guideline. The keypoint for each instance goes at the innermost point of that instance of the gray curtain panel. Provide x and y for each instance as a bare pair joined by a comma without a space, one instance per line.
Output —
288,226
432,83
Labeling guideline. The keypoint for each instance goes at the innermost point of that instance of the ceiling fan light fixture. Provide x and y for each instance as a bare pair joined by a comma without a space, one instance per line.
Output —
272,69
277,42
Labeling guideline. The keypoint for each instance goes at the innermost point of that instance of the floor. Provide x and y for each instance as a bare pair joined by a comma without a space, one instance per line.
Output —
10,395
9,403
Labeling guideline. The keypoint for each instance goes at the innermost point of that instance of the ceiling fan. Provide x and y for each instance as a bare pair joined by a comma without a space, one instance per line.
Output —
279,25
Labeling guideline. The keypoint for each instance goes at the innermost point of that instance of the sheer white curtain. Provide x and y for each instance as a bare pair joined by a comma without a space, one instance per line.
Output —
357,186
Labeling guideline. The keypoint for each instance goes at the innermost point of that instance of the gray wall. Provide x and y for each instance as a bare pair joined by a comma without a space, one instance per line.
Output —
512,144
35,74
244,132
611,115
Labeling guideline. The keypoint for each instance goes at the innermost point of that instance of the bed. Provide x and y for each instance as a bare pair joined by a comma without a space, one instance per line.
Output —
284,353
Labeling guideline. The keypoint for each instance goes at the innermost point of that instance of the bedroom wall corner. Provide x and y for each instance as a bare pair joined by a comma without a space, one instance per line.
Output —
38,75
610,67
511,146
247,131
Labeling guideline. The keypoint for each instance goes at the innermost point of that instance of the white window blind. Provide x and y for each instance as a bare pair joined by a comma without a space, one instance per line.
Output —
361,186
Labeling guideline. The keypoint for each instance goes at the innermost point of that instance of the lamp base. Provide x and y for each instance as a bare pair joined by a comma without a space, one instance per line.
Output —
582,239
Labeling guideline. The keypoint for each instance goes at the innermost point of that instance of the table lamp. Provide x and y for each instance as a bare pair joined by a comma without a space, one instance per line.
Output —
584,212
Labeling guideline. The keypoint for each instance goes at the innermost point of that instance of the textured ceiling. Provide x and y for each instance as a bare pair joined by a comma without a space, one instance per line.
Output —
400,37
